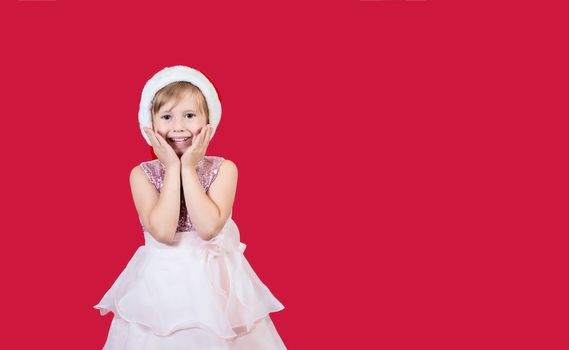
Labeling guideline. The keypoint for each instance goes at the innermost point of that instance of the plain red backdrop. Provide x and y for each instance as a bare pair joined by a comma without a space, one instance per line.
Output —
402,164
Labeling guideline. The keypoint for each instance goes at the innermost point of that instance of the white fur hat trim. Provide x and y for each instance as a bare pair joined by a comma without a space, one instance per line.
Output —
172,74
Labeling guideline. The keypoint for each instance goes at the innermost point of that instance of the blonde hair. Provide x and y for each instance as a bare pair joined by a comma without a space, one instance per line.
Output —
177,90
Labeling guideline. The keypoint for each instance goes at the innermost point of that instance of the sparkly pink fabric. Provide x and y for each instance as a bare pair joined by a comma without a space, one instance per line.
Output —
207,170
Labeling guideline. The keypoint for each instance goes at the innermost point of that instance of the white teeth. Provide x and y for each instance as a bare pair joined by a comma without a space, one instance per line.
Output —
180,140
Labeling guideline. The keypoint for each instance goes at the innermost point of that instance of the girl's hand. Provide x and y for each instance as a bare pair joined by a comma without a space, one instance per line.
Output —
165,153
195,153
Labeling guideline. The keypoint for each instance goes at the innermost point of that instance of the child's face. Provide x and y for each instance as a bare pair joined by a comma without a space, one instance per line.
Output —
177,121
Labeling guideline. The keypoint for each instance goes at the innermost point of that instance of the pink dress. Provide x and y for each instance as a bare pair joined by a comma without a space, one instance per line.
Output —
191,294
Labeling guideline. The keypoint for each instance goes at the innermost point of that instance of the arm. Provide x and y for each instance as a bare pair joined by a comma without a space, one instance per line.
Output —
159,212
165,215
210,210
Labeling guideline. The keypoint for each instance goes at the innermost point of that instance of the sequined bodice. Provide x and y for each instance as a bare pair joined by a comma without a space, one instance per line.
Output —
206,169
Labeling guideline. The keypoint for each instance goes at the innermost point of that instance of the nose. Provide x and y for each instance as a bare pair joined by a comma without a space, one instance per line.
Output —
179,125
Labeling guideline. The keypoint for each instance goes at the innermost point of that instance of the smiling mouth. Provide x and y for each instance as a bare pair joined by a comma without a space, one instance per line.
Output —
180,141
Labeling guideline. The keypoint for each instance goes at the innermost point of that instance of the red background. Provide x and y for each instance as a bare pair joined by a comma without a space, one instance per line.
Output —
402,164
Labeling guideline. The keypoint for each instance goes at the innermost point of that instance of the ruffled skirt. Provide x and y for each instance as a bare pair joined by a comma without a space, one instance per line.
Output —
191,294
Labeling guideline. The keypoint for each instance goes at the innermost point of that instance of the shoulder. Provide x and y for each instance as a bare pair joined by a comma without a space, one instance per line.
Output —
220,167
217,163
151,170
151,167
228,167
150,164
138,173
214,163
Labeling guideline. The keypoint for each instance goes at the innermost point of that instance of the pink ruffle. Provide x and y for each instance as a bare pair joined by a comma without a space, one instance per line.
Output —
205,284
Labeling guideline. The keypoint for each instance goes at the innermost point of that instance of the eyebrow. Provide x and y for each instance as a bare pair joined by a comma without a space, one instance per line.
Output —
168,111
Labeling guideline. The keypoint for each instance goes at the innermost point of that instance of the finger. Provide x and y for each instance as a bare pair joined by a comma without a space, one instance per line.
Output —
151,136
205,132
197,141
161,140
164,142
209,135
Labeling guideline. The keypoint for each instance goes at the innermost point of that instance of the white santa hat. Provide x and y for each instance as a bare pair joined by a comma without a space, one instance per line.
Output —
172,74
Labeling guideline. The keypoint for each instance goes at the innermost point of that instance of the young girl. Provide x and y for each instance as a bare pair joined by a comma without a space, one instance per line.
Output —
189,286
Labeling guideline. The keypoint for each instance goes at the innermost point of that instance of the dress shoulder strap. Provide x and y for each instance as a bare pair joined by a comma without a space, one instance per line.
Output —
210,167
155,172
207,170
